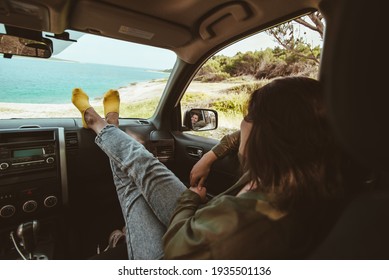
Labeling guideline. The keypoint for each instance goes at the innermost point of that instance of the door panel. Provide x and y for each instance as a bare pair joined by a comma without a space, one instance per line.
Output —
188,150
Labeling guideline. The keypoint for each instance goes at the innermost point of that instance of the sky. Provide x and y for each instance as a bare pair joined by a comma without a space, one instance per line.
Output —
88,47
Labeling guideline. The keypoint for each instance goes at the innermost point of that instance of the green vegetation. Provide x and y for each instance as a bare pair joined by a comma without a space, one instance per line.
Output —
140,109
253,70
264,64
230,101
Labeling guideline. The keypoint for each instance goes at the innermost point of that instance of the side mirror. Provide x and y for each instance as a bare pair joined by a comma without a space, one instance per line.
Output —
201,119
14,45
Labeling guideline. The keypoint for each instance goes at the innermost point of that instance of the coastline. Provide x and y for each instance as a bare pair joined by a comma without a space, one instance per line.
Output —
134,92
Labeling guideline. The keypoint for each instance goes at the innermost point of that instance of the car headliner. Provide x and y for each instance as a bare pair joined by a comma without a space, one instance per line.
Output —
190,28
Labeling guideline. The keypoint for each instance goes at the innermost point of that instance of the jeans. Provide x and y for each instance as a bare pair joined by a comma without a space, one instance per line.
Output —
147,192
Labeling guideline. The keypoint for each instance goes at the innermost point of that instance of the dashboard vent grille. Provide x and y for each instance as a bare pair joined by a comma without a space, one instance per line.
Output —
71,141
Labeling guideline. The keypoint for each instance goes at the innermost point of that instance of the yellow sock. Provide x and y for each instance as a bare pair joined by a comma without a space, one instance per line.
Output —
81,100
111,102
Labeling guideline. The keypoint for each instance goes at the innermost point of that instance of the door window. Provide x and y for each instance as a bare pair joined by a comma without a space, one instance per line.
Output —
226,80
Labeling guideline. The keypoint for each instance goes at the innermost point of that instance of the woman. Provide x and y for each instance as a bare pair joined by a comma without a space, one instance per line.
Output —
276,210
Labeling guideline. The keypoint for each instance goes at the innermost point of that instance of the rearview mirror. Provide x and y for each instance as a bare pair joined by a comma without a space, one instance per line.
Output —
201,119
13,45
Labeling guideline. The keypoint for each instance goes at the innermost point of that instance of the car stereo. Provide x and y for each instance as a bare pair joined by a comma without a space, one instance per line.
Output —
24,158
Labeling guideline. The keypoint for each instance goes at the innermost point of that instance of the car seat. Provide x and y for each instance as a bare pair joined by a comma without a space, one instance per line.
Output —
357,99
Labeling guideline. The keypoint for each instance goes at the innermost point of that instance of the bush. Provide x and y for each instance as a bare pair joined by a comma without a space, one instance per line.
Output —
264,64
231,103
212,77
139,109
195,100
247,88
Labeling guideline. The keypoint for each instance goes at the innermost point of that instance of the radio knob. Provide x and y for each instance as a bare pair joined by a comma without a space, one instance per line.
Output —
30,206
7,211
50,160
4,165
50,201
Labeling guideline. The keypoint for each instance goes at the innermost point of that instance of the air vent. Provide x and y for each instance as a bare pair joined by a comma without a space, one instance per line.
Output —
165,153
71,141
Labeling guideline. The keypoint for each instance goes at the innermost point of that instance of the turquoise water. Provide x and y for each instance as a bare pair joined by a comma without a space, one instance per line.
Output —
52,81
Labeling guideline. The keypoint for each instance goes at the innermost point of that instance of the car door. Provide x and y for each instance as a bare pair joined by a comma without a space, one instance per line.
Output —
189,150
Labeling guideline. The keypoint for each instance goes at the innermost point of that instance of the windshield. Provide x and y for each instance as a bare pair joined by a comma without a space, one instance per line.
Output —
34,87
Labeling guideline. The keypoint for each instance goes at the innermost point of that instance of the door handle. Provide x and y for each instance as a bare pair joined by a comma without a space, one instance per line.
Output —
195,152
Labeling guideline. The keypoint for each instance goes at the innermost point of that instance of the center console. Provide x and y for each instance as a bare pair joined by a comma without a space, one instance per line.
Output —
33,179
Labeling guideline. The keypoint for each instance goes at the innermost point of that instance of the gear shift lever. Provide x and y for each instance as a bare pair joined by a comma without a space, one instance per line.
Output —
28,233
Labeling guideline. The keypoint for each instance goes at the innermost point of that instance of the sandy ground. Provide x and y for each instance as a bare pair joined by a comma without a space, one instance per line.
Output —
132,93
145,90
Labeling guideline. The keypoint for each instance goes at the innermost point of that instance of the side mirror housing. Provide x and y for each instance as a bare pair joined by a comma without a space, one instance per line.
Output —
201,119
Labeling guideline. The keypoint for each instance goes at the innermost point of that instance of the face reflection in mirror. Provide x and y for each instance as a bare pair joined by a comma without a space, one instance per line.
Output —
194,119
203,119
12,45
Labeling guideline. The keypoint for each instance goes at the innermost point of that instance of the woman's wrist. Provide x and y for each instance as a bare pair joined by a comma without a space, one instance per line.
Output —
209,158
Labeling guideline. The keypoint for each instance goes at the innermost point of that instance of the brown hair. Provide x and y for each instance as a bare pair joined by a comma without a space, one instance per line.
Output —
291,153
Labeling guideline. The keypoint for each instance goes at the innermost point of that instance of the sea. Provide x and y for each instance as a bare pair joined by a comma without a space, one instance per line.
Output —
26,80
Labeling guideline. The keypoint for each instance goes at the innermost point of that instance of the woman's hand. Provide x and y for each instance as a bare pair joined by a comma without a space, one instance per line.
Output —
201,191
201,169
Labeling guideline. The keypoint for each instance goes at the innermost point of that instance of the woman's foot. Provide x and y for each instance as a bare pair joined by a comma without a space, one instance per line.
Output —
94,121
81,100
111,103
90,118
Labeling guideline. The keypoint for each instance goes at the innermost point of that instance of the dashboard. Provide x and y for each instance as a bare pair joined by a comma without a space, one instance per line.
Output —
51,171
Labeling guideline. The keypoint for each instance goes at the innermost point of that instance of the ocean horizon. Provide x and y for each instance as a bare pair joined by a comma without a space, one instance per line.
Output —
26,80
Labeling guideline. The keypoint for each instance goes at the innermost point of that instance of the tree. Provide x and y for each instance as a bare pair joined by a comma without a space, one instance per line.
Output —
289,38
316,22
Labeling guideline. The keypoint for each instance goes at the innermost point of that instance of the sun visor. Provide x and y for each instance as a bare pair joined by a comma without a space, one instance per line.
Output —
38,15
106,20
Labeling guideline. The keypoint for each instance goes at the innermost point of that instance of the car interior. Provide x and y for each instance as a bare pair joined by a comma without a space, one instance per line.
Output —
56,188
